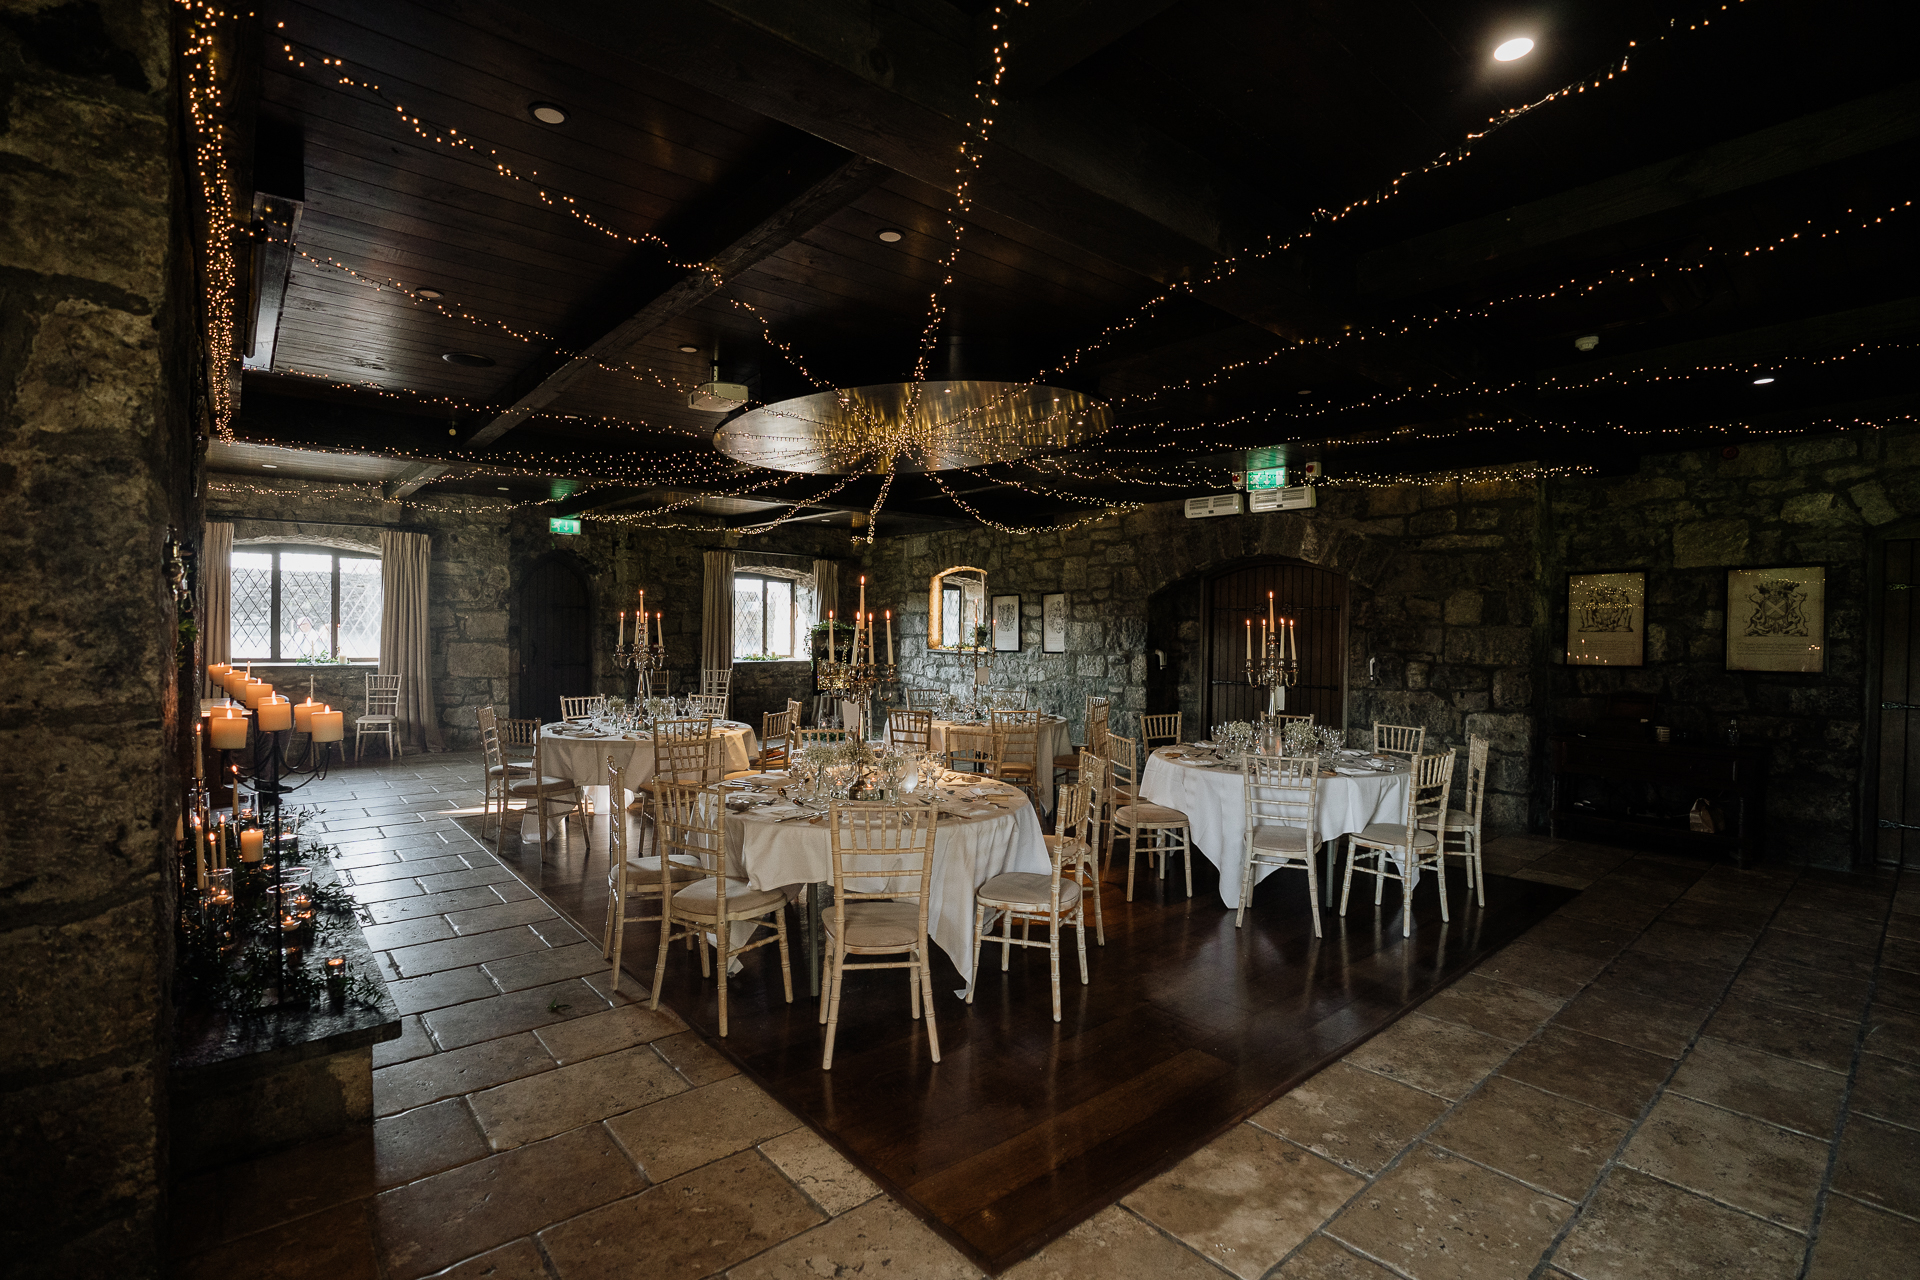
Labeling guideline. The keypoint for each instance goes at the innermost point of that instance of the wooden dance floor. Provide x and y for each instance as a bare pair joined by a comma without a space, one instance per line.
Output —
1027,1126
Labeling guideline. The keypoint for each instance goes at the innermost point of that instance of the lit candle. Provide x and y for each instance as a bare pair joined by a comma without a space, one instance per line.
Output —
199,765
1270,625
889,635
199,855
1249,639
623,628
228,728
328,725
276,713
303,714
252,841
337,969
1293,645
660,627
832,655
257,692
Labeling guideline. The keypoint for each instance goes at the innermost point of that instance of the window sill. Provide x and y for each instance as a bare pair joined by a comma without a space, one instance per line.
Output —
284,665
767,662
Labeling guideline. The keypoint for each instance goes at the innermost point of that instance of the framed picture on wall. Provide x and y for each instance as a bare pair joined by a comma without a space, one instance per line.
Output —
1777,619
1606,619
1053,623
1006,624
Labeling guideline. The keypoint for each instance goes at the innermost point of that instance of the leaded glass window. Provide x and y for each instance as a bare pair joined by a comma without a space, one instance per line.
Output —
305,602
763,617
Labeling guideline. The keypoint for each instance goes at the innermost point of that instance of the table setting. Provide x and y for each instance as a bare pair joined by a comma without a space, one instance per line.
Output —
1054,741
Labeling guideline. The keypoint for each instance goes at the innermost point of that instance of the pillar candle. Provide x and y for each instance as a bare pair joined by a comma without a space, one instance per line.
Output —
258,691
889,635
623,628
251,843
660,627
1270,623
832,656
303,714
199,765
229,730
215,670
1249,639
276,713
199,856
1293,644
328,725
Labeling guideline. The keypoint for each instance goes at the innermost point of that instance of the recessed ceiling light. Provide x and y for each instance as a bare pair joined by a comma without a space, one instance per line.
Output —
502,488
551,113
425,292
1304,391
689,348
889,236
271,466
1586,342
1518,47
1761,382
469,359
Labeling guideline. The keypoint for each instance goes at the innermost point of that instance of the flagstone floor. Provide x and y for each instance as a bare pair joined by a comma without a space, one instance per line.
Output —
1689,1070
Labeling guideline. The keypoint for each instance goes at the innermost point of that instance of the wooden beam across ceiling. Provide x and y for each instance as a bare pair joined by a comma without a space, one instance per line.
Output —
1046,44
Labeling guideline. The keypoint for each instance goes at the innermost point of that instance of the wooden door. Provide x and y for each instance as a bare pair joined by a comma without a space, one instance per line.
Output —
1897,809
556,651
1317,600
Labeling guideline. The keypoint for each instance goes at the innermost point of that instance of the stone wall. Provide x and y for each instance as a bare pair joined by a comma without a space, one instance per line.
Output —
96,463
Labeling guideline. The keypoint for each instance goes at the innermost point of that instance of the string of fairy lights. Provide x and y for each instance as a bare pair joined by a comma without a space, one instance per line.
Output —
890,440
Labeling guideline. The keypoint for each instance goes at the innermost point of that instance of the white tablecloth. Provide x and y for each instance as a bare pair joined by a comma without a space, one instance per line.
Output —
1215,802
967,852
1054,741
585,759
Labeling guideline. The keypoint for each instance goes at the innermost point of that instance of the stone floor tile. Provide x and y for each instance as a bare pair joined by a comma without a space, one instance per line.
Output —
1559,973
1859,1242
1614,912
1565,880
825,1176
407,933
1548,1141
500,915
1820,923
1589,860
694,1058
1819,991
1637,1227
877,1239
1359,1118
384,891
518,1260
698,1224
1584,937
1879,1163
1644,1022
558,933
285,1185
698,1126
500,1015
1714,917
535,1107
511,891
1815,953
471,949
458,1071
1704,947
433,904
414,1042
448,881
1735,1159
409,870
438,990
1441,1057
1896,989
599,1033
1901,955
362,857
1492,1007
1779,1091
336,1244
1786,1032
1664,978
1600,1073
1438,1217
1246,1199
427,1225
1893,1032
1114,1245
533,968
1887,1089
1324,1258
424,1141
1865,904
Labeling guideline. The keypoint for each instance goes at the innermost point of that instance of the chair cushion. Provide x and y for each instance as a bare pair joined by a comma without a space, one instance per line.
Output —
371,721
1149,815
541,786
879,925
518,767
1394,833
1027,889
1282,839
1457,820
684,868
702,900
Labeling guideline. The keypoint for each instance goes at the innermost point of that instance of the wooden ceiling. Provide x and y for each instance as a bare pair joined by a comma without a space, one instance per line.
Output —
725,167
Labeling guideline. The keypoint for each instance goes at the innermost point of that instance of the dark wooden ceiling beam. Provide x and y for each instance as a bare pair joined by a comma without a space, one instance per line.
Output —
1892,321
1525,233
822,200
1046,43
410,481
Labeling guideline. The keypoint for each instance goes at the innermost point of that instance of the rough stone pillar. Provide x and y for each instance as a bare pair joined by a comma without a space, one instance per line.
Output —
95,463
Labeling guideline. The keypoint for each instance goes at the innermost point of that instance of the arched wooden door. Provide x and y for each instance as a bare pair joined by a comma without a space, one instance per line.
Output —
1316,599
556,650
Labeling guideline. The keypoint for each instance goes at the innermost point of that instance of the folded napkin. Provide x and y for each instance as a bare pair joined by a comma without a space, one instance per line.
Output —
1354,771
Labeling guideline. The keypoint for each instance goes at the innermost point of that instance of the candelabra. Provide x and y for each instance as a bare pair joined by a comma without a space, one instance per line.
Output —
642,659
857,682
1274,670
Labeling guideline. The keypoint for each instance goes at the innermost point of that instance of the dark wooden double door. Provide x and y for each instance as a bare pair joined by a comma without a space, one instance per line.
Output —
556,643
1316,599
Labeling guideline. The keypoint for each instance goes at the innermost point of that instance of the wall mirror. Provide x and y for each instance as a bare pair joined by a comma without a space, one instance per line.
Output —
956,605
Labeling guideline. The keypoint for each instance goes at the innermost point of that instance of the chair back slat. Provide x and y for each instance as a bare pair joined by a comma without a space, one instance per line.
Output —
1017,737
1428,790
1157,729
692,833
881,851
1281,791
1098,715
972,750
383,696
687,751
581,707
709,704
1398,739
519,733
807,737
924,699
716,681
1123,770
490,740
773,740
1476,796
911,730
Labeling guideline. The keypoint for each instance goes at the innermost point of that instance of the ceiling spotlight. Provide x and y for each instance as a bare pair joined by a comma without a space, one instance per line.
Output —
1761,382
549,113
1518,47
467,359
1586,342
889,236
689,348
425,292
502,488
1304,391
271,466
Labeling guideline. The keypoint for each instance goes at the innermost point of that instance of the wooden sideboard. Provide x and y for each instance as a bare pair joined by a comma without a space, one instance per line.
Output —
1735,778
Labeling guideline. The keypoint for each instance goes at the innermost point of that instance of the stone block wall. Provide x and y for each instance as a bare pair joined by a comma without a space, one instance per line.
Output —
96,462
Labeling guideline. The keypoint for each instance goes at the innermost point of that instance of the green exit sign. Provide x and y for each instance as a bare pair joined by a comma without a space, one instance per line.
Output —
563,524
1272,478
1265,459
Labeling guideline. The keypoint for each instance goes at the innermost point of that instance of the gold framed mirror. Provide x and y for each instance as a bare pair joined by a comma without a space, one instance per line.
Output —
956,607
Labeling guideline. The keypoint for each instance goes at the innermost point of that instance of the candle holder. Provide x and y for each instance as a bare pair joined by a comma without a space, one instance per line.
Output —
642,660
1275,671
857,682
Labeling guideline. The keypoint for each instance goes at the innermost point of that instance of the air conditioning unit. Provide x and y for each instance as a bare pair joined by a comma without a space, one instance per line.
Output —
1218,504
1290,499
718,397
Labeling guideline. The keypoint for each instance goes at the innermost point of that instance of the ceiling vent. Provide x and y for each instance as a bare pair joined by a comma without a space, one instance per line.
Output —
1219,504
1290,499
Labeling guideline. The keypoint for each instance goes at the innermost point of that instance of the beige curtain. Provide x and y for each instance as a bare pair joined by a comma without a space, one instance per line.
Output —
826,586
216,599
716,613
405,640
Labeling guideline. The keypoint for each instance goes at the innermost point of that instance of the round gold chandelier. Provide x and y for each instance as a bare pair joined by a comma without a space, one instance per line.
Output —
911,426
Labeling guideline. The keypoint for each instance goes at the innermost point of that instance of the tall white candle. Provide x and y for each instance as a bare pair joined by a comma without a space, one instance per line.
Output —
889,635
623,628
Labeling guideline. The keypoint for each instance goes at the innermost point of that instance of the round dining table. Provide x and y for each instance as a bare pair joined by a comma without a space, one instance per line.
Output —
1054,741
580,753
1213,795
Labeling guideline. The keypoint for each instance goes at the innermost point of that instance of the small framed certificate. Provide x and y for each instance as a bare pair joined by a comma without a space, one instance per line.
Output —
1053,623
1006,624
1606,619
1777,619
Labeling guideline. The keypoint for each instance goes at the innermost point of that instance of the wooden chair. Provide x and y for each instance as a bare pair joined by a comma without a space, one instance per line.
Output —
1158,729
517,740
1017,748
1166,829
1052,900
773,740
890,846
708,704
1461,833
1283,801
1096,726
807,737
717,683
796,710
826,710
683,751
971,750
541,793
632,878
924,699
659,685
1005,699
911,731
380,715
692,833
1398,739
1417,837
1093,773
582,707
